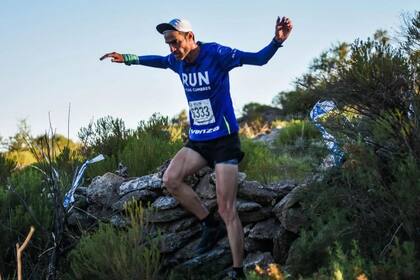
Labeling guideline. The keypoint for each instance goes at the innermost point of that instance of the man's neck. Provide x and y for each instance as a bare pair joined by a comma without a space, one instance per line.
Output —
193,54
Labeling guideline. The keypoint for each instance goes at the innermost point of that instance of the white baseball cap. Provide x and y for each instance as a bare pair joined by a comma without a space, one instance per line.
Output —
176,24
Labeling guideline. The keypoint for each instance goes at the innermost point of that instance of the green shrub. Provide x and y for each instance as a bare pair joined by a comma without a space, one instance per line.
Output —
145,152
141,150
300,137
262,164
26,203
112,253
6,167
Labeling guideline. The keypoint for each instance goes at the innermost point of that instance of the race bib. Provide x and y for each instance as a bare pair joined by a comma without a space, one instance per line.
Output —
201,112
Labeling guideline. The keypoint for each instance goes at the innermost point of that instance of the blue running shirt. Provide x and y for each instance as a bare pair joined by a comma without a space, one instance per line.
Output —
206,85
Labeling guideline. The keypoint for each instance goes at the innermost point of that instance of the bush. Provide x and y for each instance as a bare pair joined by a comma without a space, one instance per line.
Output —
145,152
26,203
141,150
6,167
112,253
262,164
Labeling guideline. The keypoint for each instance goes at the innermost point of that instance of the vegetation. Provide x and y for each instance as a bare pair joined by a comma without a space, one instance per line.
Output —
134,254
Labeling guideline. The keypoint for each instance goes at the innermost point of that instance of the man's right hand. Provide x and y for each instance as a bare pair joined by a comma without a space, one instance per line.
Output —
116,57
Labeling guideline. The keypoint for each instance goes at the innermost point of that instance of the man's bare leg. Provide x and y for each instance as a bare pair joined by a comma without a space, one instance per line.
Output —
185,162
226,189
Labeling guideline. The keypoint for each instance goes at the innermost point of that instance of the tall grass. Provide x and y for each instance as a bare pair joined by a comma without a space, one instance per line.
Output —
112,253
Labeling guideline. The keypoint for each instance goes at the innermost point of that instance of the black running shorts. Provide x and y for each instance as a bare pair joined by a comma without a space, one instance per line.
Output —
223,149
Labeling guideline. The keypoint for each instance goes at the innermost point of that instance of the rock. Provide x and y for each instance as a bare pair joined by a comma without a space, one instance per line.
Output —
206,266
288,212
204,171
150,182
254,191
103,189
204,189
282,241
173,241
119,221
265,229
188,251
282,188
262,259
241,178
144,196
192,180
247,206
255,216
178,225
168,215
165,202
248,228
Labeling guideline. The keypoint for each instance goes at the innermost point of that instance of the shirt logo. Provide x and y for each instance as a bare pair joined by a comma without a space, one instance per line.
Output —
195,79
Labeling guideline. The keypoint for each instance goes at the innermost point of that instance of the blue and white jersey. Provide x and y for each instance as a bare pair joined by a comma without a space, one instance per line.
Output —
206,85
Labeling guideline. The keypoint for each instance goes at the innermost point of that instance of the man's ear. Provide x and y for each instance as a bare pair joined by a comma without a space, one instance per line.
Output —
190,36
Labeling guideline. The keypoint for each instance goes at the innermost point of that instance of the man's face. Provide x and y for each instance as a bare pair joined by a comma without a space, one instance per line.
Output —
179,43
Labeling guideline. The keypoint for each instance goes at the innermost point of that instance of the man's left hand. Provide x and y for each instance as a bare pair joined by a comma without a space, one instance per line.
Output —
283,28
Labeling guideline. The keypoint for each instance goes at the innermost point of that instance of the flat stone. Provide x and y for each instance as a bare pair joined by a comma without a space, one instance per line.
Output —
144,196
254,191
247,206
177,225
103,189
255,216
265,229
168,215
188,251
165,202
173,241
205,266
282,188
150,182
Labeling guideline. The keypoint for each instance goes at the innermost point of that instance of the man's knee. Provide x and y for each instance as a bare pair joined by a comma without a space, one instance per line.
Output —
171,181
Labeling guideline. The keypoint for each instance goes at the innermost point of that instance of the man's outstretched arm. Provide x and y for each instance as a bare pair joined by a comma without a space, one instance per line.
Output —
130,59
231,58
283,28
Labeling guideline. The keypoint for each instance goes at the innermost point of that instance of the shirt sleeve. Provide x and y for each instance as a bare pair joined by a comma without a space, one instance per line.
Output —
157,61
231,58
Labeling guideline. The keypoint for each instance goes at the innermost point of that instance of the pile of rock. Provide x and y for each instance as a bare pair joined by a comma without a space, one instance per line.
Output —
270,215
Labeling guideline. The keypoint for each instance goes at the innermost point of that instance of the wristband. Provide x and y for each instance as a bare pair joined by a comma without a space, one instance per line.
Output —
130,59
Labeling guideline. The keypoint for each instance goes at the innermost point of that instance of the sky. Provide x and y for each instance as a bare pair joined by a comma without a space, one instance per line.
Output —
50,53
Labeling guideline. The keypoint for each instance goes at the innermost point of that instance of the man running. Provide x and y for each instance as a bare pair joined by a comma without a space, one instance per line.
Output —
213,136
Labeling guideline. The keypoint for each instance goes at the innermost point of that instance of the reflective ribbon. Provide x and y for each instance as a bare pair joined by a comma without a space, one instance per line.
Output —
69,197
319,110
